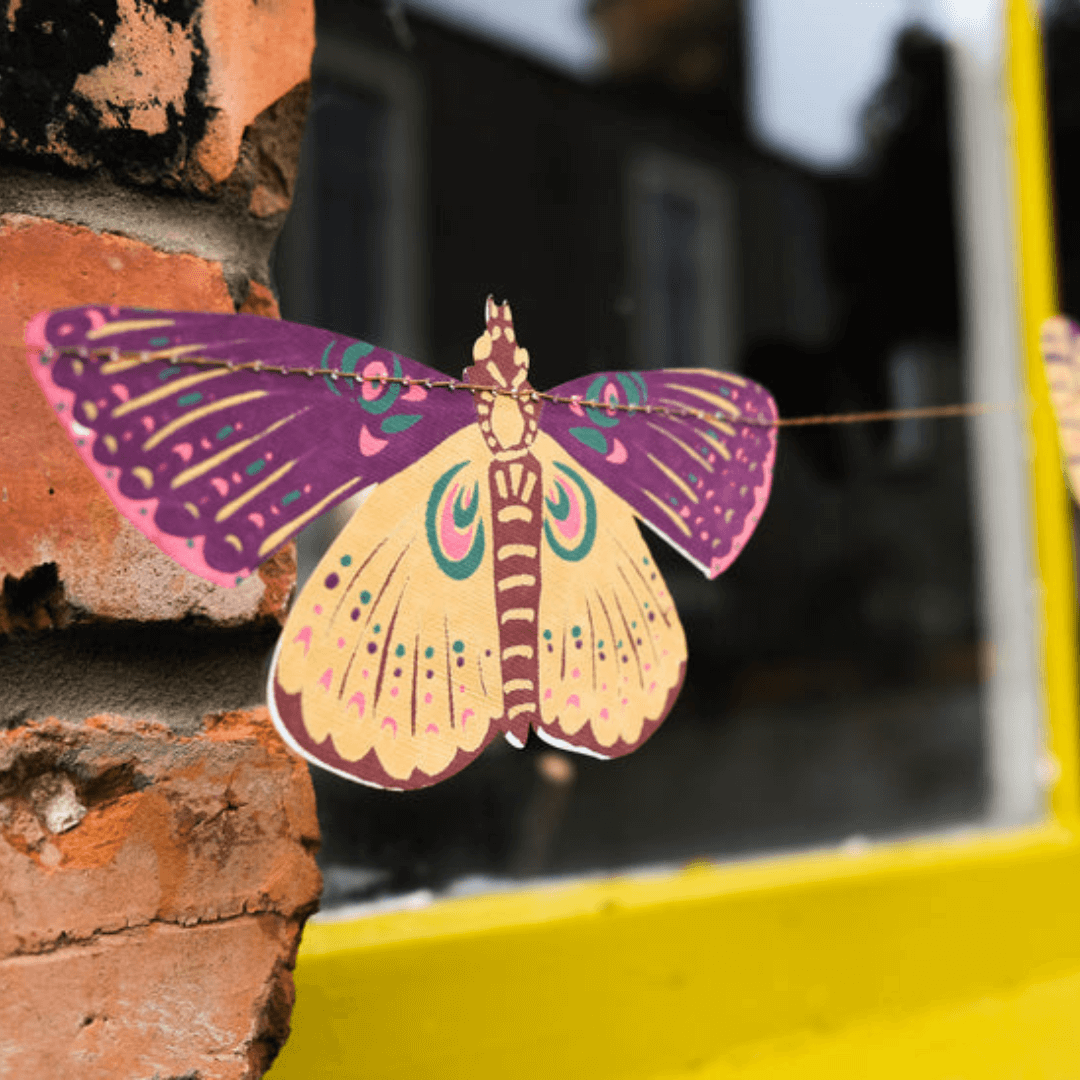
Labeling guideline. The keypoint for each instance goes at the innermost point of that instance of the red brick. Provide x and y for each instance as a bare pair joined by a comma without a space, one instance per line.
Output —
158,828
51,508
260,301
156,1001
270,154
154,888
153,884
258,53
163,96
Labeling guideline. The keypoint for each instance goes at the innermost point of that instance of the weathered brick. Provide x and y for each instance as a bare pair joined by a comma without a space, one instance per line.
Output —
257,53
153,890
155,93
151,1003
260,301
266,172
51,507
156,867
185,829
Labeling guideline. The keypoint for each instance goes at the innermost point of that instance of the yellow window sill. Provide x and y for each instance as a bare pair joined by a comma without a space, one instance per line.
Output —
810,963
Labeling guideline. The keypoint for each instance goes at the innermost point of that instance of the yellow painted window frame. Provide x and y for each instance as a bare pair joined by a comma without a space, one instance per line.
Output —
942,957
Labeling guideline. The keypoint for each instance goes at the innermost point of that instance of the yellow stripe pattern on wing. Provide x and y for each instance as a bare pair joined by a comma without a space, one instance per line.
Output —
241,500
674,477
125,326
275,538
683,527
198,414
168,390
212,463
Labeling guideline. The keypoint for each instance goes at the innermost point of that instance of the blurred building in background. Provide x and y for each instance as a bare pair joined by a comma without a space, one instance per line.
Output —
834,680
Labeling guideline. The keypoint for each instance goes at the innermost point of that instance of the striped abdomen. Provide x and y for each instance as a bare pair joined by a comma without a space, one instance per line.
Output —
516,500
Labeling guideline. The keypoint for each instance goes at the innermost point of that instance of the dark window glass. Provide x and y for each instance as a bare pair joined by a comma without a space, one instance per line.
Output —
674,287
337,239
836,686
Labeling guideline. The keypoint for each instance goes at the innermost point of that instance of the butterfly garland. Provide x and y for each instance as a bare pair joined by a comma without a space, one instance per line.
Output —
1059,342
493,579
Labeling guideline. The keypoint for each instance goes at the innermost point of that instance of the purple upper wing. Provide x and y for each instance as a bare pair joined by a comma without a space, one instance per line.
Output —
700,480
219,467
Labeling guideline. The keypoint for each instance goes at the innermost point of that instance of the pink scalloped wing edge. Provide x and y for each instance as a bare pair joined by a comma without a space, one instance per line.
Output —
140,512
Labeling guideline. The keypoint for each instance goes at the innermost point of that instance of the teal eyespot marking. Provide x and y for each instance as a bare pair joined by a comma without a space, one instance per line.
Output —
365,597
353,354
376,406
324,365
599,416
560,511
290,498
458,646
256,466
463,515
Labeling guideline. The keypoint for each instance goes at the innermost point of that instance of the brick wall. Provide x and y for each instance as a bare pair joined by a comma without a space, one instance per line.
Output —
156,840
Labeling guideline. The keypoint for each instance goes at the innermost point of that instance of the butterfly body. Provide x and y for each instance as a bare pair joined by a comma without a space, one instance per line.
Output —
494,580
509,425
515,492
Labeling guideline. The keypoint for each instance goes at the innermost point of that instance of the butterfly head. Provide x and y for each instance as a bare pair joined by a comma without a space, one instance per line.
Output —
507,416
498,360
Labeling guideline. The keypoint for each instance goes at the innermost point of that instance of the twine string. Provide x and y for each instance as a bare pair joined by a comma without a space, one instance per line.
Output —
673,412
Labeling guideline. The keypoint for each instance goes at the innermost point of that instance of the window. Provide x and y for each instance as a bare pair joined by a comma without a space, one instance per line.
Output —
348,130
910,370
682,267
844,673
953,956
350,256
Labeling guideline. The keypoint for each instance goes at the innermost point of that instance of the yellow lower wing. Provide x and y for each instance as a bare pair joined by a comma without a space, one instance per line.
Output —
388,669
612,650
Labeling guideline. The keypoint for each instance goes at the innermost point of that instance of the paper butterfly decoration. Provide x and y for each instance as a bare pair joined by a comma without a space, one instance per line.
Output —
493,579
1060,345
